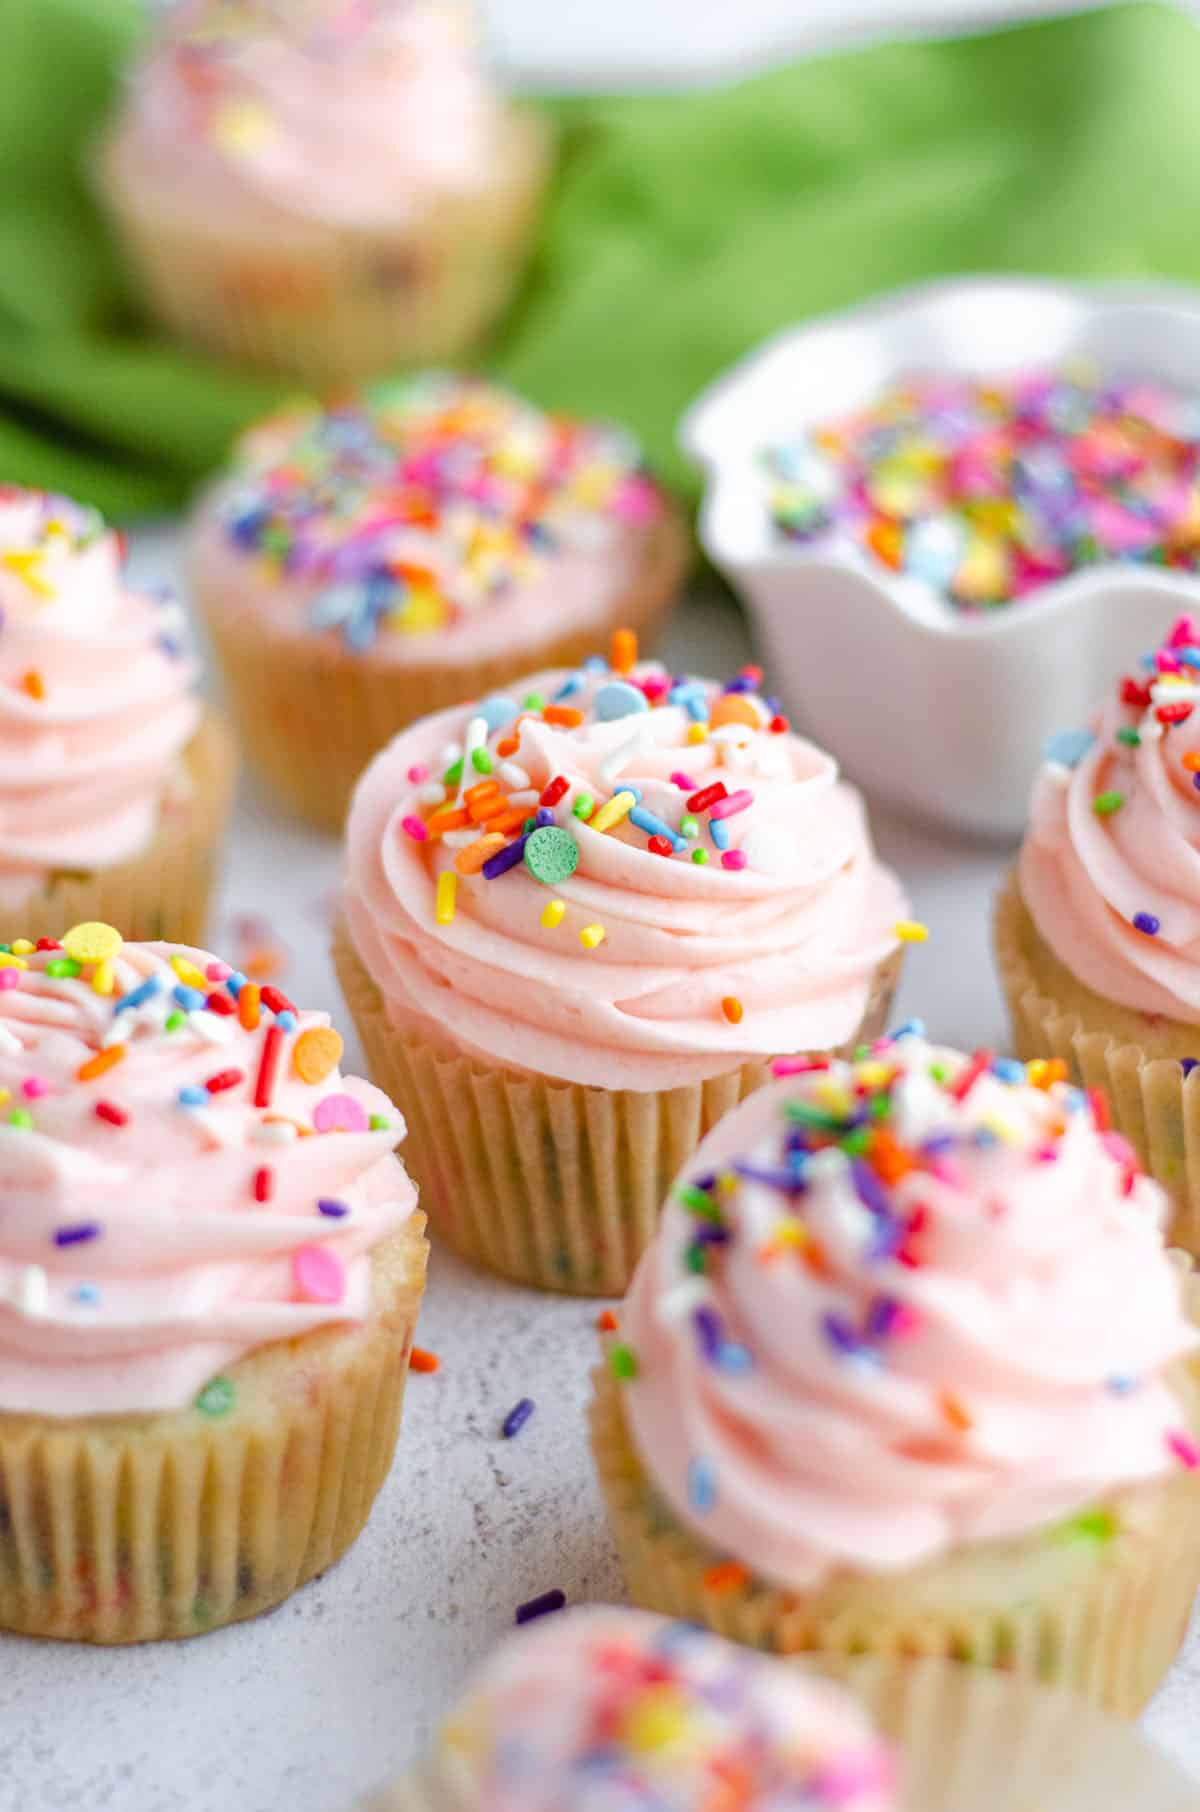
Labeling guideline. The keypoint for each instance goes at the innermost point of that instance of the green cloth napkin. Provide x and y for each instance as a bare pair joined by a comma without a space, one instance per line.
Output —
682,227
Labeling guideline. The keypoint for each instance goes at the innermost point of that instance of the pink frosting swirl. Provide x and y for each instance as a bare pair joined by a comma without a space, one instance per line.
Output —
359,112
603,1709
96,700
900,1307
175,1193
1110,867
660,969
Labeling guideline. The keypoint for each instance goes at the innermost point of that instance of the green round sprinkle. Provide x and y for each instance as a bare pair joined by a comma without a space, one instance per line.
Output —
856,1143
584,806
1091,1525
453,774
379,1123
551,855
1129,737
689,826
530,824
21,1117
481,761
1105,804
533,701
938,1072
700,855
698,1201
216,1399
62,968
174,1020
622,1362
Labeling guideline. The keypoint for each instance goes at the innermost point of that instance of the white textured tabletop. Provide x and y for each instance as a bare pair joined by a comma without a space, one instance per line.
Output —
306,1708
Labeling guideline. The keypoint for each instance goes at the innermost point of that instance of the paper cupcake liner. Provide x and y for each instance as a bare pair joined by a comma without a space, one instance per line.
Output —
968,1741
132,1528
547,1183
310,714
1133,1058
1105,1621
324,304
164,892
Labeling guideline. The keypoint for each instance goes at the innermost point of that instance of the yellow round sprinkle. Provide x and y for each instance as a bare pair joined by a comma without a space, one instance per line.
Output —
591,935
8,961
697,733
911,931
188,973
447,893
92,942
316,1053
657,1719
553,914
23,946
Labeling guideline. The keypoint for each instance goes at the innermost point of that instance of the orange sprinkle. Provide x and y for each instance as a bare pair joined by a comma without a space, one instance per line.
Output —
512,820
732,1008
33,683
482,789
469,861
565,715
247,1005
952,1408
726,1576
1044,1072
447,818
507,745
624,650
419,1360
734,708
606,1322
816,1260
264,963
1191,761
98,1065
888,1158
483,810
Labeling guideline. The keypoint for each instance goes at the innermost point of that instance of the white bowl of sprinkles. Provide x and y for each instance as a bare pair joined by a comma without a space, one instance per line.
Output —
887,631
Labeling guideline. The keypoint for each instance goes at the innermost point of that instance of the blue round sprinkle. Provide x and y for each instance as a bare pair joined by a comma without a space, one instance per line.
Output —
1147,924
1069,747
1007,1069
619,699
496,711
287,1022
191,1096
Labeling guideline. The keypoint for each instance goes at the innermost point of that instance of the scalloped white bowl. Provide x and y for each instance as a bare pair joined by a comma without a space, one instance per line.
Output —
942,715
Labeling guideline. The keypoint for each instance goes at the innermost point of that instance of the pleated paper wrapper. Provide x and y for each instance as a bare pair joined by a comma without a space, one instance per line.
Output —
165,891
1136,1060
133,1528
548,1183
311,714
967,1740
323,304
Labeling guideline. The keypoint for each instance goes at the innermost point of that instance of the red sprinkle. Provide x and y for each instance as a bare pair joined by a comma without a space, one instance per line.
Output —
606,1322
419,1360
1134,694
661,846
276,1002
1173,714
264,1184
48,943
108,1110
779,725
264,1087
219,1003
979,1065
1101,1113
216,1085
708,795
553,791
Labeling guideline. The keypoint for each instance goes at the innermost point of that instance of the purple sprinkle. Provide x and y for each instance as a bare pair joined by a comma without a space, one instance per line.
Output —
1188,1064
544,817
335,1210
740,684
516,1418
541,1606
881,1317
78,1234
1146,923
504,859
869,1189
839,1333
1196,782
709,1234
708,1327
790,1181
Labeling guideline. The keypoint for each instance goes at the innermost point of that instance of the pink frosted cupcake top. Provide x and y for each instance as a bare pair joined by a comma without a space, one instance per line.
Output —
187,1176
357,112
619,877
1110,868
900,1306
434,519
604,1710
96,696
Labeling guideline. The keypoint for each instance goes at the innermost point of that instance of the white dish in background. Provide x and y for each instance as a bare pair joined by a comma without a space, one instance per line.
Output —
941,714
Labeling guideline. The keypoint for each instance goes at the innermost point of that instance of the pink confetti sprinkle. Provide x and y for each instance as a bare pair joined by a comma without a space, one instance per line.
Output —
684,782
731,804
733,858
1185,633
318,1274
798,1066
217,972
418,773
10,978
1184,1449
340,1113
33,1087
415,828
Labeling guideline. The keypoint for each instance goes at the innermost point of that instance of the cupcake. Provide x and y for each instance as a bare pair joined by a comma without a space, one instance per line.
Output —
904,1373
605,1708
210,1268
117,782
323,189
367,564
1098,930
578,921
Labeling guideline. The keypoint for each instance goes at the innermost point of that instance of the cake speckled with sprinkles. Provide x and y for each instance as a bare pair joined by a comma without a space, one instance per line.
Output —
116,780
1098,930
393,554
606,1710
210,1270
904,1372
579,918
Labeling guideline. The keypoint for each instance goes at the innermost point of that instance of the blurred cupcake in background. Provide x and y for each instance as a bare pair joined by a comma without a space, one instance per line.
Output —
906,1372
424,543
323,188
116,780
